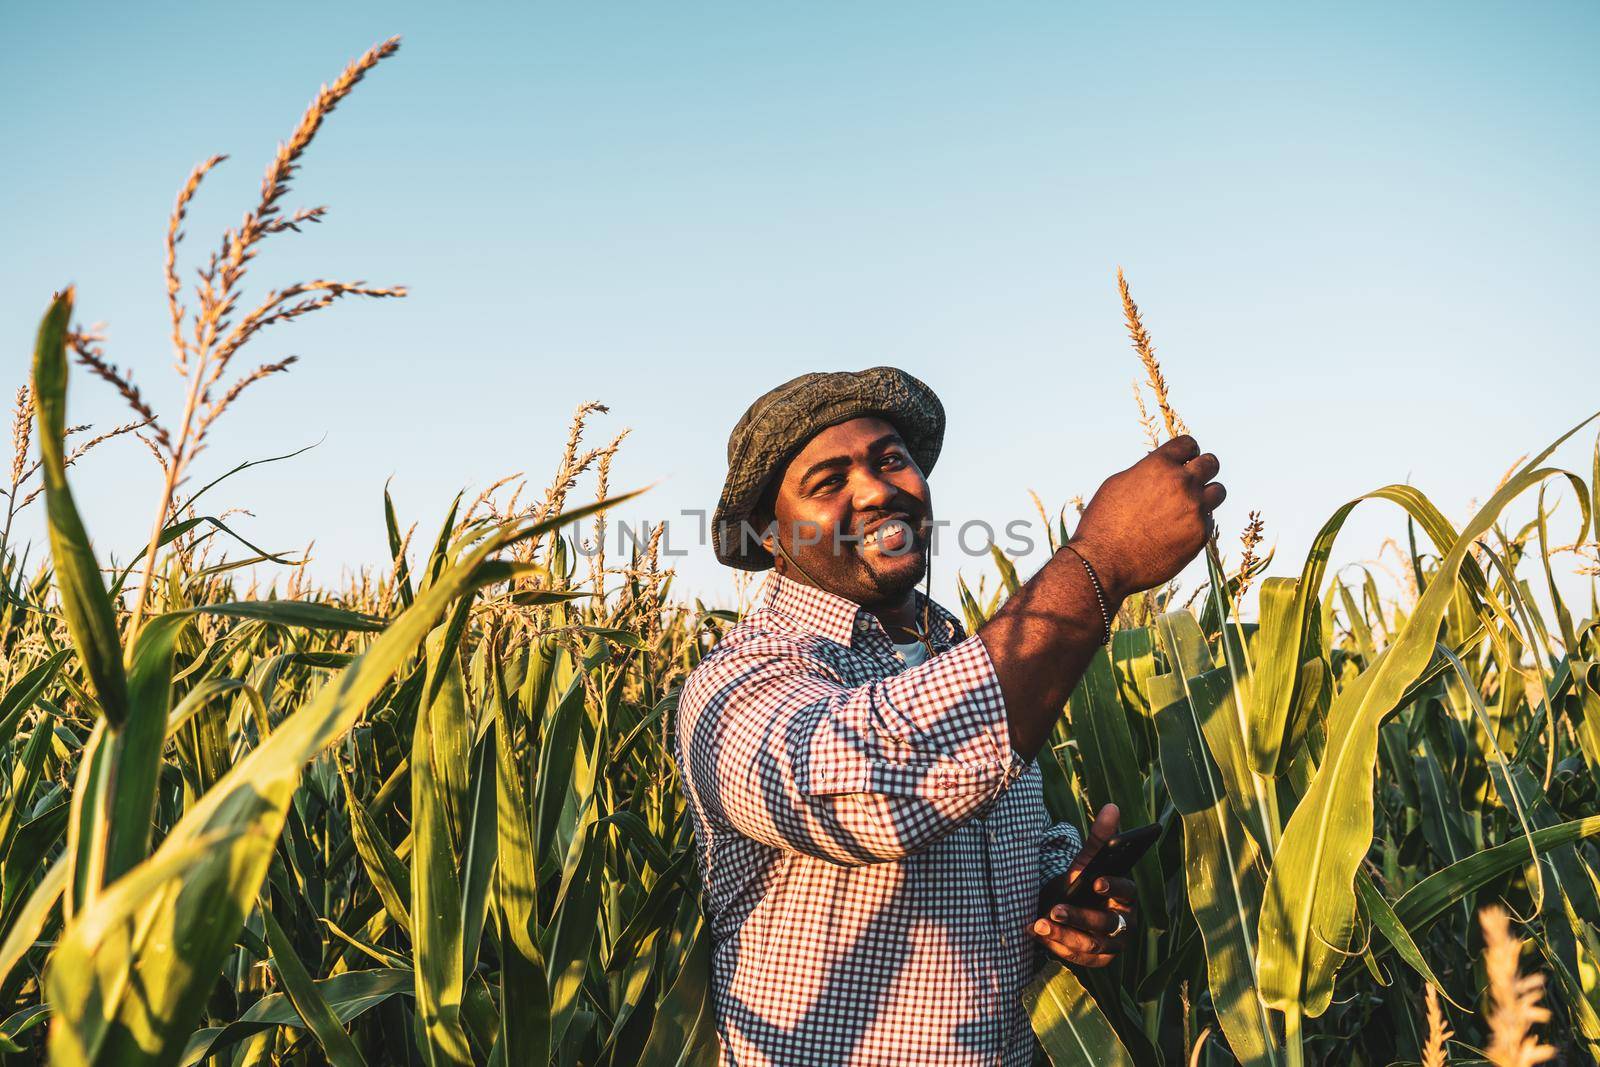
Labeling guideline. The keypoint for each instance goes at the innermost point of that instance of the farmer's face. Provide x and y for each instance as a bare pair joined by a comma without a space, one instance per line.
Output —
854,512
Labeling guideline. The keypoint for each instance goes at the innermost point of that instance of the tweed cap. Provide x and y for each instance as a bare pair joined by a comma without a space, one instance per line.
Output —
780,422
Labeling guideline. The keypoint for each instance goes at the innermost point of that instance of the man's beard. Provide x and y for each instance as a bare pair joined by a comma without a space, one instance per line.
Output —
897,584
837,565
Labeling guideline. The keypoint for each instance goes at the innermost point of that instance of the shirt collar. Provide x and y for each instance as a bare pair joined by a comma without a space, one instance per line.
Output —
837,618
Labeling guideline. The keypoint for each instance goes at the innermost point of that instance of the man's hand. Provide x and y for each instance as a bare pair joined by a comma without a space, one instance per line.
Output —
1146,523
1143,525
1088,937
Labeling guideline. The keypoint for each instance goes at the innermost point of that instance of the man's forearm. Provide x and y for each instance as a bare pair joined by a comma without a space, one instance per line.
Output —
1041,642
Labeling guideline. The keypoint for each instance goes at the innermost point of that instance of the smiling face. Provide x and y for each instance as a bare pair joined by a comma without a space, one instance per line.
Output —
854,512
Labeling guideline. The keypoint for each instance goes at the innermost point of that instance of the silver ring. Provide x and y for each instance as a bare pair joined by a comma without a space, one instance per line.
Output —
1122,925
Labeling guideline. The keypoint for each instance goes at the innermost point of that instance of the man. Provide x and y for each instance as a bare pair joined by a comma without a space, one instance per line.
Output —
877,862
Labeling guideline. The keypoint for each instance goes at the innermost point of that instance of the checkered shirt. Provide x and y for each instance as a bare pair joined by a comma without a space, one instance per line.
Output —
871,849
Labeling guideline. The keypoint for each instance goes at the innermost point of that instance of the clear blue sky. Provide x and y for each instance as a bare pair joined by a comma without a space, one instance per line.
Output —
1365,238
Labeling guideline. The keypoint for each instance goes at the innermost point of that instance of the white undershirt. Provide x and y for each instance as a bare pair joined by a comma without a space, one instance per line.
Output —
914,654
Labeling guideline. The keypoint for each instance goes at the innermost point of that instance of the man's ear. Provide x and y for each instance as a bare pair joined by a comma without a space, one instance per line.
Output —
767,524
769,534
765,514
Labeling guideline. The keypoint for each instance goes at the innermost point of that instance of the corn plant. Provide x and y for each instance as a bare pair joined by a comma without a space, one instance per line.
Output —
429,816
1338,803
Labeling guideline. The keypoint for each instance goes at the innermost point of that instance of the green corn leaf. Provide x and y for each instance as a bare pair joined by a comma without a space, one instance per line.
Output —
440,557
304,613
664,893
1386,923
480,851
1100,724
90,618
38,842
1281,636
1133,659
539,597
1061,797
383,956
29,922
20,1022
573,930
178,529
683,1032
90,978
971,611
558,755
1309,910
193,924
480,1016
1070,1025
1442,818
348,995
438,787
625,638
642,730
1575,967
86,836
25,691
1282,650
1563,865
386,870
1432,896
1214,694
242,467
1007,569
205,692
524,982
307,999
25,778
115,809
1223,868
402,571
134,751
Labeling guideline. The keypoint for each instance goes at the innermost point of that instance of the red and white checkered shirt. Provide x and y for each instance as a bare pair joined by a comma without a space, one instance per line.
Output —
871,849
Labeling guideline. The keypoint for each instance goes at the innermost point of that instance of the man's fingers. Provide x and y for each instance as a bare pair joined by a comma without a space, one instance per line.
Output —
1079,959
1180,449
1204,467
1212,496
1102,830
1117,891
1090,920
1073,944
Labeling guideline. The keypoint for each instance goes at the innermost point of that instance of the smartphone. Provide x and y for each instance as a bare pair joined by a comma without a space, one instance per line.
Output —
1114,860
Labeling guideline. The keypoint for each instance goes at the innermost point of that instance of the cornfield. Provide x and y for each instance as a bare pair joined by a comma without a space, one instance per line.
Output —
431,817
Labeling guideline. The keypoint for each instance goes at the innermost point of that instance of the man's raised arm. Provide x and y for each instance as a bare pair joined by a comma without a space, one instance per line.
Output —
1142,527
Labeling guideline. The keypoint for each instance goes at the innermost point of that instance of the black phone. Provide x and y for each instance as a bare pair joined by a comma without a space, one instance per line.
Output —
1114,860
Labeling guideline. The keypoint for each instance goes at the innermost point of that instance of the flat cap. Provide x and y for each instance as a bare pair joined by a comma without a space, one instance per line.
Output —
780,422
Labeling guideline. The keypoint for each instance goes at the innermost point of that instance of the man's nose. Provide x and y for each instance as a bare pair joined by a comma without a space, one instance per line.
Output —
873,491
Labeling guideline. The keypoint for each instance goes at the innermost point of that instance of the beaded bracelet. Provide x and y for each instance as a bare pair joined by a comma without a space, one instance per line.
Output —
1099,594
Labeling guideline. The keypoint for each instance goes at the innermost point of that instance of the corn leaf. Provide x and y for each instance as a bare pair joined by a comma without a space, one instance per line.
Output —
1070,1025
307,999
84,602
438,786
1307,917
1222,867
190,924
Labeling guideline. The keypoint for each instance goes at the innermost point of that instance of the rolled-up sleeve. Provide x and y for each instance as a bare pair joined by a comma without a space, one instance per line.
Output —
774,745
1058,848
